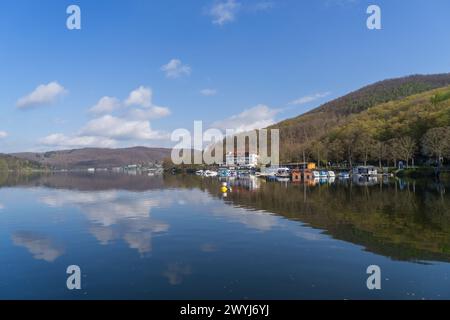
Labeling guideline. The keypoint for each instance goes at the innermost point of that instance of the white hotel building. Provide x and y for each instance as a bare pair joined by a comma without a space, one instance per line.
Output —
241,160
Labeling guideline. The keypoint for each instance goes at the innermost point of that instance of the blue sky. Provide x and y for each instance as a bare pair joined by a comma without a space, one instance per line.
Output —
164,63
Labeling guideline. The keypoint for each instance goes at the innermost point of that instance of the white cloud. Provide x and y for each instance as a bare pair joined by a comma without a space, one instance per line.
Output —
208,92
3,134
62,141
308,99
117,128
106,105
258,117
224,11
43,94
108,131
154,112
175,69
142,97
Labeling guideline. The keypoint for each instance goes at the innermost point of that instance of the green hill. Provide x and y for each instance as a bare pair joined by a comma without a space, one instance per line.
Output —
414,127
298,134
10,163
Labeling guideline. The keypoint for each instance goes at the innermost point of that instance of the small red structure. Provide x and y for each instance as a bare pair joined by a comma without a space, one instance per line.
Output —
296,176
308,175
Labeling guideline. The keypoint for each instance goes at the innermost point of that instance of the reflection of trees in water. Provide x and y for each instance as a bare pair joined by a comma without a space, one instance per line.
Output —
84,181
403,219
408,220
11,179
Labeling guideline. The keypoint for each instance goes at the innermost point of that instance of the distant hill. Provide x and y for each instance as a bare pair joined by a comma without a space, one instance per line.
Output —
298,133
96,157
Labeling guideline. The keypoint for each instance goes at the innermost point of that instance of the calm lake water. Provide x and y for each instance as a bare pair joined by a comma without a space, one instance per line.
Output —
180,237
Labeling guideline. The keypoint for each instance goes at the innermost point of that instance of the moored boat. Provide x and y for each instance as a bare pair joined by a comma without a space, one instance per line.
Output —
224,173
344,175
323,174
209,173
365,171
283,173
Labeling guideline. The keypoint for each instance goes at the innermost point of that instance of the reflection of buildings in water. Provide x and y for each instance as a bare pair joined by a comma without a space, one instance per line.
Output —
250,183
365,180
402,184
40,246
319,181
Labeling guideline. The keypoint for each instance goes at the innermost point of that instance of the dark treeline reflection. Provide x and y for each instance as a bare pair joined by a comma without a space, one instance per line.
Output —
404,220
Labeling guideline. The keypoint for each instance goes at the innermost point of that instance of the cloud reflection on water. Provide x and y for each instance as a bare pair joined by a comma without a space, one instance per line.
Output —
124,215
115,215
40,246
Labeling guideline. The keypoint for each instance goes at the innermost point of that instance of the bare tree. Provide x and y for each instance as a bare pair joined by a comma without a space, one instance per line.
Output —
336,150
392,151
407,149
382,152
365,147
436,143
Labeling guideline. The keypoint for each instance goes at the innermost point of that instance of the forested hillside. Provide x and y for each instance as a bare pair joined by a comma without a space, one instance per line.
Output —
10,163
414,127
299,133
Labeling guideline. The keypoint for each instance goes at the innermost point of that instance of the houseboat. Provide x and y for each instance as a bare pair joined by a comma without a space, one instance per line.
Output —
283,173
296,175
365,171
344,175
307,175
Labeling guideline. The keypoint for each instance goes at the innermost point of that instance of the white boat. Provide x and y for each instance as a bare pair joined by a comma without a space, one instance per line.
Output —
316,174
344,175
331,174
283,173
209,173
199,172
